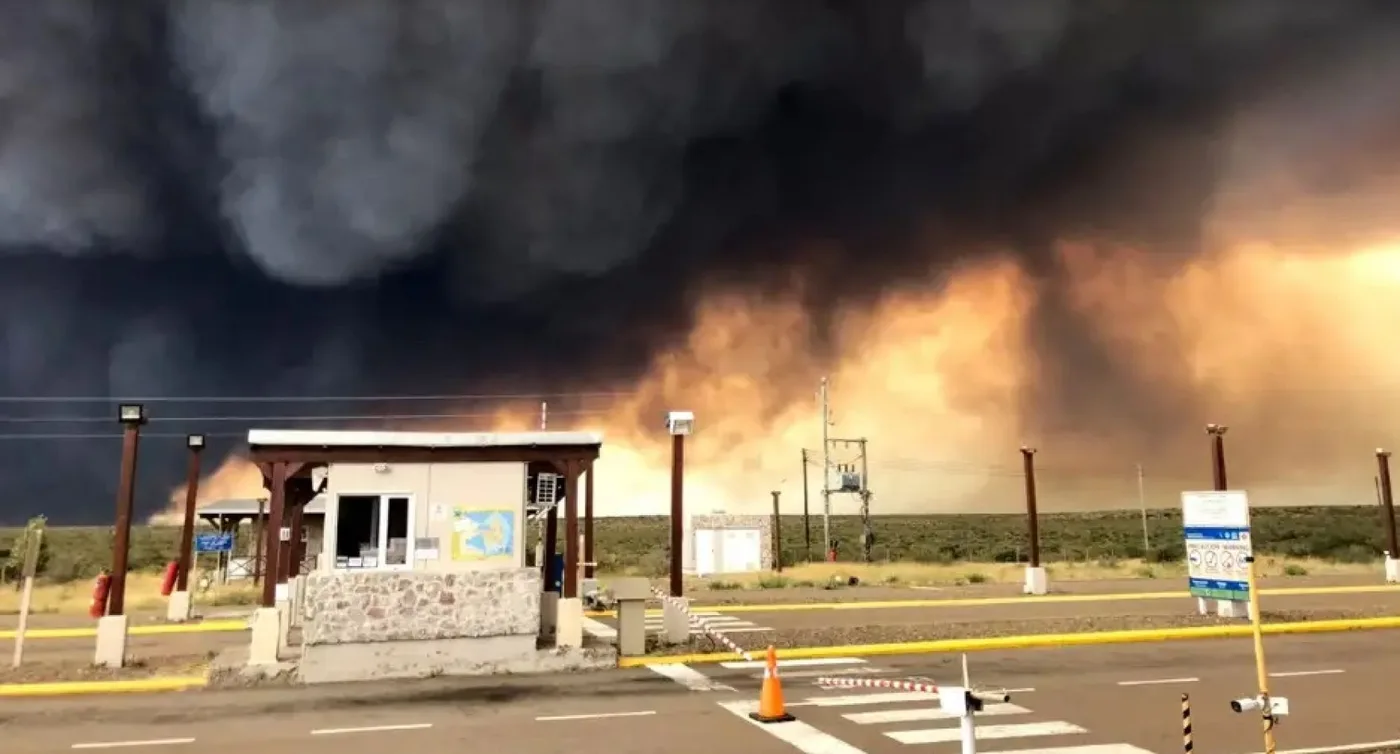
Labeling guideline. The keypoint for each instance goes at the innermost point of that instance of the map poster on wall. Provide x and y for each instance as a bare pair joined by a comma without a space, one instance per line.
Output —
1218,544
483,535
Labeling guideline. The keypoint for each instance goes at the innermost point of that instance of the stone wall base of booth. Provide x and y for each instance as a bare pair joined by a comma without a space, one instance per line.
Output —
487,655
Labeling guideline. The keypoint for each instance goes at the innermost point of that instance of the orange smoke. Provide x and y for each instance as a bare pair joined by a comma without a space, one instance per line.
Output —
1287,347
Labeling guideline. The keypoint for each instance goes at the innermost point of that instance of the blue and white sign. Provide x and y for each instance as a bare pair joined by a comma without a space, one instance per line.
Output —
1218,545
213,543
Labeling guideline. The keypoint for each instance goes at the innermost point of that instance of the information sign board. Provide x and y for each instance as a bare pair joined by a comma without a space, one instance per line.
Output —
1218,544
213,543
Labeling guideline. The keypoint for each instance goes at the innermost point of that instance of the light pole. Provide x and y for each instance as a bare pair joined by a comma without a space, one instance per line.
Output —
679,424
132,416
1036,581
1392,568
196,445
1217,455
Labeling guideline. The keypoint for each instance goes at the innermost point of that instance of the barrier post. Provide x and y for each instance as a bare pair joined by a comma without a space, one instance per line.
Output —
1186,744
1270,708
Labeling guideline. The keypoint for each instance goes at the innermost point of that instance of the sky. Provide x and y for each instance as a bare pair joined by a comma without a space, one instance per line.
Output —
1088,226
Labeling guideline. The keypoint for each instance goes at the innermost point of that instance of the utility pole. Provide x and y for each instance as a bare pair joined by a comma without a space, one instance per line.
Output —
826,469
1142,507
867,535
777,534
806,515
544,415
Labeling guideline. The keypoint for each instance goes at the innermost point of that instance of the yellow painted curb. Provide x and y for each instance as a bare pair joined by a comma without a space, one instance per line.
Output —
994,601
74,688
1035,641
204,627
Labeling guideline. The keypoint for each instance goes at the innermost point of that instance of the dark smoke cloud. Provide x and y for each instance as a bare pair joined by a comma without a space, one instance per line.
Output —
374,196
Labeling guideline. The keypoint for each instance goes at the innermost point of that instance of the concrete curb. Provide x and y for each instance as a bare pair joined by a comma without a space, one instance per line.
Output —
1052,599
203,627
1036,641
78,688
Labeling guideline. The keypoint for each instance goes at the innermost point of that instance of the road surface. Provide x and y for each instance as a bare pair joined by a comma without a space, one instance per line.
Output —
1111,700
749,626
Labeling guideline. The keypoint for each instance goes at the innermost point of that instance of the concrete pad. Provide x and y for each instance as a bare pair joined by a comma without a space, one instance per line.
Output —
549,613
675,620
265,636
1392,570
177,610
111,642
1037,580
569,626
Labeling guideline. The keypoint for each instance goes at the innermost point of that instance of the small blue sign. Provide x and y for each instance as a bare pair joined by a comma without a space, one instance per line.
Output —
213,543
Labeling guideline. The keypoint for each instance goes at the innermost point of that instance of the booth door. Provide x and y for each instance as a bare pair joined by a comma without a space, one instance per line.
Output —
742,551
707,556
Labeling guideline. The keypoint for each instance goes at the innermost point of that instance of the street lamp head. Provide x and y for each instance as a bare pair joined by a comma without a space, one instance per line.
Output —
680,423
1382,452
1028,450
195,442
131,413
1216,429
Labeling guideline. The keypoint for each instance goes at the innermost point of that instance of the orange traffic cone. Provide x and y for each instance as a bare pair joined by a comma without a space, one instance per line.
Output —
770,700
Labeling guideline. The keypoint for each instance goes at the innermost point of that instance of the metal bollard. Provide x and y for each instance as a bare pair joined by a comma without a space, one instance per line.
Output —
1186,744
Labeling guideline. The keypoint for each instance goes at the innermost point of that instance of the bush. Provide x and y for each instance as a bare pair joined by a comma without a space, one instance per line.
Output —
1293,569
638,545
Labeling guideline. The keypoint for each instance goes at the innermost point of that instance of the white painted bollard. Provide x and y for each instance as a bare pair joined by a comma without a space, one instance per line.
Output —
1202,606
1037,581
1392,569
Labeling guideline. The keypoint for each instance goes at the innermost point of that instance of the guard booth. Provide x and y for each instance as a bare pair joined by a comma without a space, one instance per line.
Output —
422,569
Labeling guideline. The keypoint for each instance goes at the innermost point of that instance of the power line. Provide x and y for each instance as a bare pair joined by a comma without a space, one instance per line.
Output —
310,418
21,399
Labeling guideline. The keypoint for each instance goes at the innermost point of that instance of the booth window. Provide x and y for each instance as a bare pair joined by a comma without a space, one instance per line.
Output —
373,532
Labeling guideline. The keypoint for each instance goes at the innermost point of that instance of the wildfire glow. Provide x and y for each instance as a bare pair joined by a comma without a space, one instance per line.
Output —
1291,342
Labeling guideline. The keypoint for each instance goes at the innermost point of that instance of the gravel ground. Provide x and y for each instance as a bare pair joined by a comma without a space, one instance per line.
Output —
148,667
879,634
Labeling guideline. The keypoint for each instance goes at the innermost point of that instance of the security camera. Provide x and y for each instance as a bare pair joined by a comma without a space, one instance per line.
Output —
680,422
1250,704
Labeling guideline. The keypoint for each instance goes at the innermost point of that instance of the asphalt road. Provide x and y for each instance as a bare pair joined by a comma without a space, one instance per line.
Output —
748,625
1123,699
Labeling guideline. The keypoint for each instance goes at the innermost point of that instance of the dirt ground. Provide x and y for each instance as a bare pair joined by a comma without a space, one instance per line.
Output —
80,670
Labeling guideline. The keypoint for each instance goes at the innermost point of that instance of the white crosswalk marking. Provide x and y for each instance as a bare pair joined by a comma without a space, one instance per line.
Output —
718,623
920,714
987,732
897,716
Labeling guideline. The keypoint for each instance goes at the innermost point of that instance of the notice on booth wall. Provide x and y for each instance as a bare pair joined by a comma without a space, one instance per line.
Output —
425,548
1218,544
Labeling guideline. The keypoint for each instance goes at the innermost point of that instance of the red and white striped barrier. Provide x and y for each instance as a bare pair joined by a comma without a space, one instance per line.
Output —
878,683
700,623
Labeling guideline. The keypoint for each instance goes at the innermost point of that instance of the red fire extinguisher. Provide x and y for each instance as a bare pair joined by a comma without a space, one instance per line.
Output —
100,591
167,584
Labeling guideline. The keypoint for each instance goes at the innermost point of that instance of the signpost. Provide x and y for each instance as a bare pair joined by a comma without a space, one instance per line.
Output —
1218,548
213,543
33,546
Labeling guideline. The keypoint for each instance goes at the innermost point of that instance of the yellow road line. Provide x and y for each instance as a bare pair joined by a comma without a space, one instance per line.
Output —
1035,641
205,627
72,688
1015,600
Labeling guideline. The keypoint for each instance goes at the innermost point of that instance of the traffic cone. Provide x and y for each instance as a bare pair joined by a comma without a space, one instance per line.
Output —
770,700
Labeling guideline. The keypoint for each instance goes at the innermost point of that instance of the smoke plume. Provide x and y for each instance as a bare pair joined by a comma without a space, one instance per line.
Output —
1088,225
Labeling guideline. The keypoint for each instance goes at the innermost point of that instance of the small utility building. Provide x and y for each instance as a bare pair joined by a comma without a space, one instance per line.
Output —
422,566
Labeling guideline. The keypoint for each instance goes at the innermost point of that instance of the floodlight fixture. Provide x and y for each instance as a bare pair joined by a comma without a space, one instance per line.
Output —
680,423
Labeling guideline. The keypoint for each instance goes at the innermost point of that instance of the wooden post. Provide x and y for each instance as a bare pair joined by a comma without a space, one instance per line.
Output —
31,565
